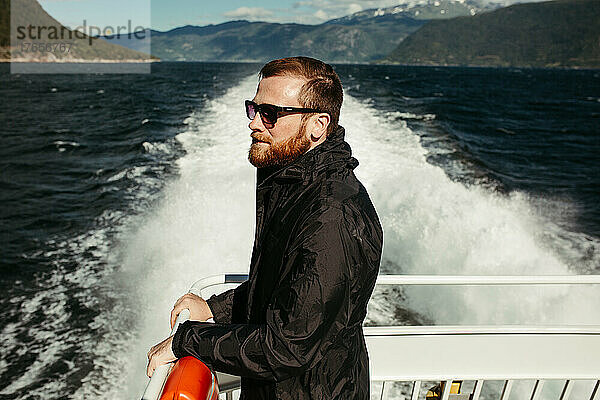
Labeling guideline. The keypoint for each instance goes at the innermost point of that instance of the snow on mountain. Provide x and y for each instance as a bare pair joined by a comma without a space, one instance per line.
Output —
422,9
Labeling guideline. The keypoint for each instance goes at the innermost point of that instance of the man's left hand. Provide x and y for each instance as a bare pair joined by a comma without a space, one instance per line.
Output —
160,354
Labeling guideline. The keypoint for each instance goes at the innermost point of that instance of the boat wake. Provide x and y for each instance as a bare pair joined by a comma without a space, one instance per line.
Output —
203,224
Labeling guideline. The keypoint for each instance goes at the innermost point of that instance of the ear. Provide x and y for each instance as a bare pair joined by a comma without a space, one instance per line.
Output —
320,122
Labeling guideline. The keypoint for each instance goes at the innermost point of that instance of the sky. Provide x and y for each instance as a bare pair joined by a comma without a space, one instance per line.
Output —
164,15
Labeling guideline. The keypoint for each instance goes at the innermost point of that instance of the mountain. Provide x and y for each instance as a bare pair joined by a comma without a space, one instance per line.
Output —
4,29
47,31
422,10
262,41
562,33
364,36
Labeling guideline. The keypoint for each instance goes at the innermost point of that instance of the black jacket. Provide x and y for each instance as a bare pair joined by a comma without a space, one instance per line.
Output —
293,330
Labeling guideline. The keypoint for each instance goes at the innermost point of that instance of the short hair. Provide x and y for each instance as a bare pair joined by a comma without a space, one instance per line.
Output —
322,89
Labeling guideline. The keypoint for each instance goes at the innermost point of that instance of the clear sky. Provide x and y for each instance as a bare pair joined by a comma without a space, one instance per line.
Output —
167,14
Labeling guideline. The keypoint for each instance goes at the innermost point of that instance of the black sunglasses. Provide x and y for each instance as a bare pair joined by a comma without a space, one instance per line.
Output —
269,113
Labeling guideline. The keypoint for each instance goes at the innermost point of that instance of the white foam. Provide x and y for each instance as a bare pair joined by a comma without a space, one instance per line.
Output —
433,225
156,148
66,143
92,284
62,146
46,342
204,224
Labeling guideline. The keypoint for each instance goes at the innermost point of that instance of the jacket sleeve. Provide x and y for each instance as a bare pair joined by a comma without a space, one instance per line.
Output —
304,317
222,305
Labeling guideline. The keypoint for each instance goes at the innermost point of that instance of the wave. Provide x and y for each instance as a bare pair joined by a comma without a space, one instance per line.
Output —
75,323
432,225
131,267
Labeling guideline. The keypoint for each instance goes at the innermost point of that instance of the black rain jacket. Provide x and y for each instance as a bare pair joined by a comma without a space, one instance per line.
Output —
293,330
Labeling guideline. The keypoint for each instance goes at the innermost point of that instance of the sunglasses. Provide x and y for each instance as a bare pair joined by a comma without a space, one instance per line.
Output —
269,113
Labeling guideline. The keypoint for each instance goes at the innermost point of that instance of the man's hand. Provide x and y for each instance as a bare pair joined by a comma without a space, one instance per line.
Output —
199,309
160,354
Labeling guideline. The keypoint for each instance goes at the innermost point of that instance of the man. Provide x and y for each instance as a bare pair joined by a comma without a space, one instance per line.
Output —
293,330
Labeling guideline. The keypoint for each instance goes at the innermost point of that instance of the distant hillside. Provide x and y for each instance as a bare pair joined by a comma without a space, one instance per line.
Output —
562,33
364,36
4,29
262,41
360,37
31,13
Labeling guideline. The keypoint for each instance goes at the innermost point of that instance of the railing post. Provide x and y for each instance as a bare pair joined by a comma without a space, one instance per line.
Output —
537,390
566,392
415,390
447,388
477,389
596,392
506,390
385,390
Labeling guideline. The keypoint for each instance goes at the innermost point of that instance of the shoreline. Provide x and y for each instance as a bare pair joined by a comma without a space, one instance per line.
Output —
375,64
77,61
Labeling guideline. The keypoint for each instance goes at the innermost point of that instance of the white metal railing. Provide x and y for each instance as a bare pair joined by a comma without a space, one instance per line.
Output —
466,280
472,353
473,280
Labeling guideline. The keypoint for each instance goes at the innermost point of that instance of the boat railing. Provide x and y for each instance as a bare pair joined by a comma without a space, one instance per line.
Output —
446,354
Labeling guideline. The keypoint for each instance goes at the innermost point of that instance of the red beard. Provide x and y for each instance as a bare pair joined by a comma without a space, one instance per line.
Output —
269,154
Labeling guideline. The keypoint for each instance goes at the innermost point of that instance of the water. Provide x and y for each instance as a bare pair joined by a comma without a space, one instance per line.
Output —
118,192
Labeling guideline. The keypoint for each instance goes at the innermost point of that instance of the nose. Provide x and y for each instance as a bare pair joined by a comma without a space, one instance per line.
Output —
256,124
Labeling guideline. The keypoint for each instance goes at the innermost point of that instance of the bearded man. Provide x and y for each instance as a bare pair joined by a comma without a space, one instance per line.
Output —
293,330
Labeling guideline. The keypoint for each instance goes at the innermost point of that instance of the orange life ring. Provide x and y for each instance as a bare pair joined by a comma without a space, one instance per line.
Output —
190,379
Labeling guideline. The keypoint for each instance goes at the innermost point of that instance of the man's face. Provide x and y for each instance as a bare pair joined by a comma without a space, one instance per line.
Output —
287,139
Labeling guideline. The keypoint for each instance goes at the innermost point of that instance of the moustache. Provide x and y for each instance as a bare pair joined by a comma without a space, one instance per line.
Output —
260,138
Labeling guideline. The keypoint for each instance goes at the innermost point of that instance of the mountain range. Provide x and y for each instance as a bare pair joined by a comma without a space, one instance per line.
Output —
364,36
561,33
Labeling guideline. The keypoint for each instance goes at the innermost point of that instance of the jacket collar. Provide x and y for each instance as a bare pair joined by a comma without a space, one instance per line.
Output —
333,153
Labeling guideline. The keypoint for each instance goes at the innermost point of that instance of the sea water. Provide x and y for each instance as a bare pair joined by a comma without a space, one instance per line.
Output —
118,192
